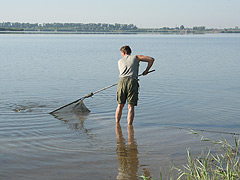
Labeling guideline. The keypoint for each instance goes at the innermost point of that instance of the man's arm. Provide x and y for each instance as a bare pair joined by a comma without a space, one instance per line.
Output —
147,59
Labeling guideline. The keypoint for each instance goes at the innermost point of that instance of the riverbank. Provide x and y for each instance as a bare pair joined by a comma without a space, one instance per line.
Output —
103,28
119,32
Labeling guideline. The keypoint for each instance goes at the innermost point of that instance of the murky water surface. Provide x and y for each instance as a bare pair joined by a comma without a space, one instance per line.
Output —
196,86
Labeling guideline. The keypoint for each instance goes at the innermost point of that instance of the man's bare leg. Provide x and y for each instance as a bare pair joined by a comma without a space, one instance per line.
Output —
130,113
118,114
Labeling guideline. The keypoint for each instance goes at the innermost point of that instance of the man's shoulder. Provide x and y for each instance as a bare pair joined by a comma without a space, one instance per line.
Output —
133,57
128,57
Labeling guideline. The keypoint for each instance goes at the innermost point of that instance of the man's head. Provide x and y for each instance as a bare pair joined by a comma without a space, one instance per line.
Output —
126,50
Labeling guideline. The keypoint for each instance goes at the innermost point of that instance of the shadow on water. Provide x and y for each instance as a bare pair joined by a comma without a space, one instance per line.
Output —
127,155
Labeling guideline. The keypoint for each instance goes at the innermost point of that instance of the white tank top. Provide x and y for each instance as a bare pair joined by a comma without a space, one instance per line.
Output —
128,66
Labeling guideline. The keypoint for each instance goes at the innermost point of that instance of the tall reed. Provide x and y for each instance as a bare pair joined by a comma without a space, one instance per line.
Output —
223,164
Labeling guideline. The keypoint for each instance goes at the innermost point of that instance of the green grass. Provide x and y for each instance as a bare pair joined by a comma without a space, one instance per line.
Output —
223,164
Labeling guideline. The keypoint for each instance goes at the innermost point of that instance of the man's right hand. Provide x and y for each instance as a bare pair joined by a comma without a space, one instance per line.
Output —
145,73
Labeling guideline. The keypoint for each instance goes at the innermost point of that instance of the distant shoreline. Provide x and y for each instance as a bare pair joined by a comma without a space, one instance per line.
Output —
102,28
122,32
61,32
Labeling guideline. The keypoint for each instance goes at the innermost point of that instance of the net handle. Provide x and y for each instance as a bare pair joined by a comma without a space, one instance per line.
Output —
91,94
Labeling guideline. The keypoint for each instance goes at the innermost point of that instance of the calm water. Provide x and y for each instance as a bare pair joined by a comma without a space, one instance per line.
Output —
196,85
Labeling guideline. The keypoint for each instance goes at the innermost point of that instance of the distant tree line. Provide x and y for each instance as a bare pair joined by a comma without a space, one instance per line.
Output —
69,27
107,28
11,29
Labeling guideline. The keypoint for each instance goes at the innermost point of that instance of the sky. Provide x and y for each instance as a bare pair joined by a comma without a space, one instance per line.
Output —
142,13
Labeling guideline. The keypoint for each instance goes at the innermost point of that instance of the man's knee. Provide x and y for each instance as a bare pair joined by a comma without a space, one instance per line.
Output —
131,106
121,106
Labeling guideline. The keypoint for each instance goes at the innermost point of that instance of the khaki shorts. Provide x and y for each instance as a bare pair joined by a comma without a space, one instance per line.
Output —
127,90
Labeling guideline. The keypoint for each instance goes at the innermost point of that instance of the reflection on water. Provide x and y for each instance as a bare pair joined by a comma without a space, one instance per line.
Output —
127,155
75,121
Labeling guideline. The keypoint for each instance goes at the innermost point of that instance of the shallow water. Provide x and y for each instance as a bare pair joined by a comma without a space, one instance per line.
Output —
196,85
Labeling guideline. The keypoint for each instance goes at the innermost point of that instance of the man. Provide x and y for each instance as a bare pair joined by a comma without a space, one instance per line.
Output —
128,84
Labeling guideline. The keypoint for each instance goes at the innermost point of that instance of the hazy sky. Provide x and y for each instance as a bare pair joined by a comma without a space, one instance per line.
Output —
143,13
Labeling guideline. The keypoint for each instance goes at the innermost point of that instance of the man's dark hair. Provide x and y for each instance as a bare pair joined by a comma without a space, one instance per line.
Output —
126,50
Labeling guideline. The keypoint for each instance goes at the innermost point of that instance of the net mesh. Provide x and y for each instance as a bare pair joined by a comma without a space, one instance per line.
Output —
76,108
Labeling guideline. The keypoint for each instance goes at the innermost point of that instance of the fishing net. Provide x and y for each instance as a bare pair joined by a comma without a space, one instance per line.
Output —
78,108
74,117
